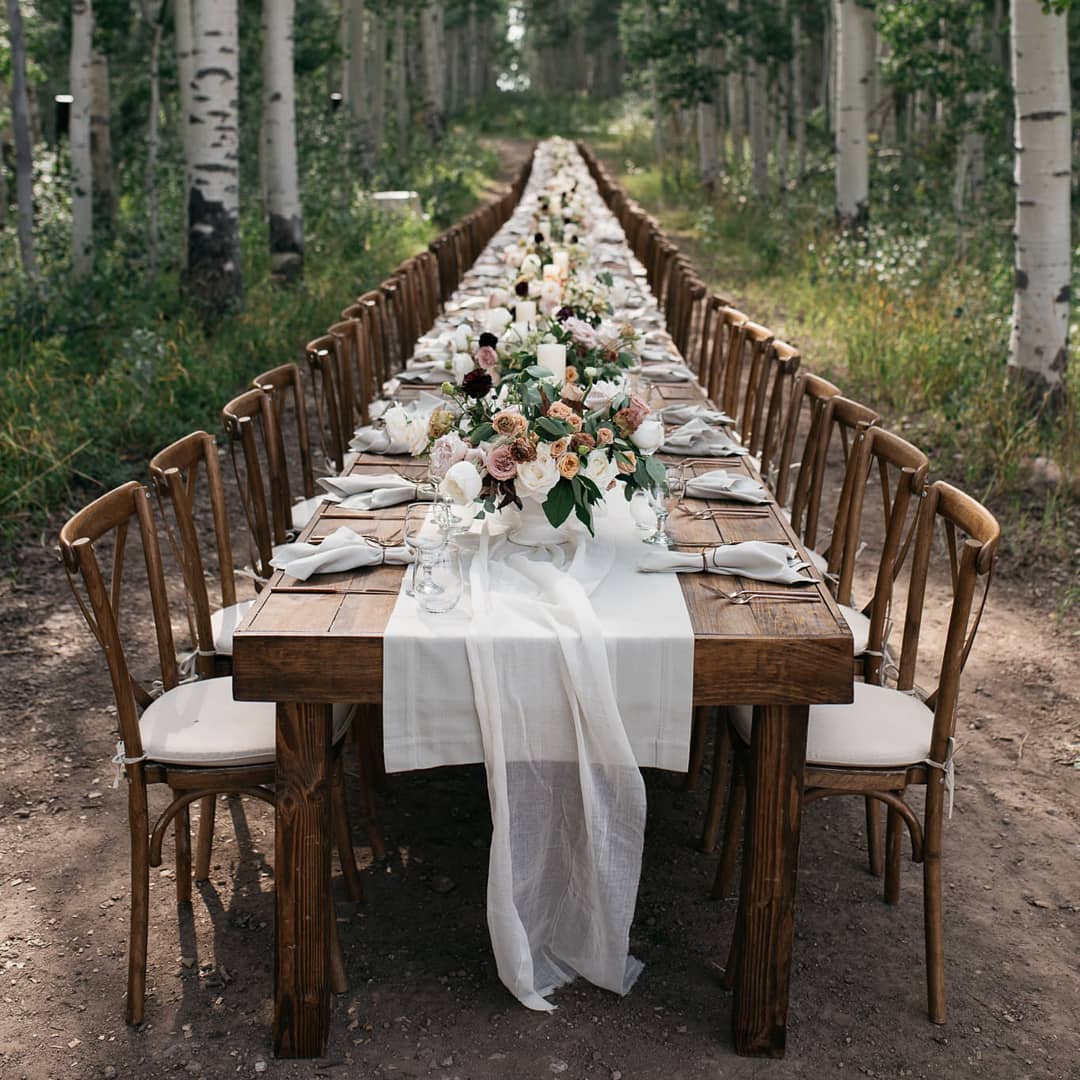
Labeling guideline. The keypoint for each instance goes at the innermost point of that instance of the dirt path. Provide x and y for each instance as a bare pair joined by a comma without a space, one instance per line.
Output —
424,997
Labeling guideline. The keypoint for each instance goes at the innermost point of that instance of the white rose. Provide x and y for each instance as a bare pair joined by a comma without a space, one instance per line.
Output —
462,483
601,469
498,319
649,436
530,266
537,478
462,364
550,292
396,422
461,338
601,393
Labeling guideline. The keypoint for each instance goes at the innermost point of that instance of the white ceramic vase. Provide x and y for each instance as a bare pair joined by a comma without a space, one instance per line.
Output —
532,528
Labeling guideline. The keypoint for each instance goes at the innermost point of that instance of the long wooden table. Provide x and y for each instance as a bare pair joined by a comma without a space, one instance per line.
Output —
307,649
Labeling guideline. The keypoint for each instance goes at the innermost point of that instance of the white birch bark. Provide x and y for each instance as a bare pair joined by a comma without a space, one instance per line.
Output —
82,166
214,274
854,56
356,85
970,169
284,215
24,162
432,39
184,34
757,83
798,94
152,12
1038,347
401,83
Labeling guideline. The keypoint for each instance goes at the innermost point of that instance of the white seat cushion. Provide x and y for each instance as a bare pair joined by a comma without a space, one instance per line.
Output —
304,510
224,622
200,723
881,727
859,625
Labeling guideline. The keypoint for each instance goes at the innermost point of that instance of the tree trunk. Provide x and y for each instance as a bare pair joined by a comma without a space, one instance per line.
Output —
476,55
783,110
152,11
737,117
24,161
798,91
828,70
82,166
401,83
377,77
1038,348
101,140
970,169
284,214
434,51
183,29
757,76
854,55
356,86
214,276
708,165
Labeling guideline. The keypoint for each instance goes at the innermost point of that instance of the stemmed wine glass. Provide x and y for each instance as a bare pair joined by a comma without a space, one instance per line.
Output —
425,537
672,491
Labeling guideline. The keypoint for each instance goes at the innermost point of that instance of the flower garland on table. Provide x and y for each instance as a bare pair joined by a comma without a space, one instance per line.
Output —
565,449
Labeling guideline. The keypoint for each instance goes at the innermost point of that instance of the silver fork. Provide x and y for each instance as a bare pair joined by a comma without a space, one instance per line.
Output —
745,596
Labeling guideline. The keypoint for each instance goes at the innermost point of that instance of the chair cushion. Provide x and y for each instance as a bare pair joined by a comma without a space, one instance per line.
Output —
881,727
304,510
200,723
859,625
224,622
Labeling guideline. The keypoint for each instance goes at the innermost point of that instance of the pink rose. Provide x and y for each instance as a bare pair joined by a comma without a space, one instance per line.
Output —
487,357
447,450
500,463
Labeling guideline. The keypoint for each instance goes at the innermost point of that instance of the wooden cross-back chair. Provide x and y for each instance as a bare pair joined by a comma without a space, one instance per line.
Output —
185,475
326,379
897,736
190,735
358,348
285,386
256,452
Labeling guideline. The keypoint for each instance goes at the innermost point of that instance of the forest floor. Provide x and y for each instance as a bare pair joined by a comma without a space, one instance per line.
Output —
424,997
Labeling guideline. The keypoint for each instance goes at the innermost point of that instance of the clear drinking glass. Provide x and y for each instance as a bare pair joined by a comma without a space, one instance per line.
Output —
662,502
425,538
445,570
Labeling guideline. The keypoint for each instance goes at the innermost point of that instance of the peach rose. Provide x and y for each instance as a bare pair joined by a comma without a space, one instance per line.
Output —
569,465
628,465
574,421
560,446
559,411
509,423
605,436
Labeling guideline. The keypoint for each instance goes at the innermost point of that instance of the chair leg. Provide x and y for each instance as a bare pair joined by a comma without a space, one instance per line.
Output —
339,809
182,831
718,786
728,980
698,729
139,828
894,843
339,983
932,910
205,841
873,836
725,872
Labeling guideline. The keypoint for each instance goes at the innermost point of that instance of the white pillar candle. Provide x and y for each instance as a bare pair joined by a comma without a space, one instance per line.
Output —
551,272
561,260
553,357
526,311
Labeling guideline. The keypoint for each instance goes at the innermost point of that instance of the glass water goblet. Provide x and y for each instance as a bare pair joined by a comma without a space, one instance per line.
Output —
446,572
671,492
425,538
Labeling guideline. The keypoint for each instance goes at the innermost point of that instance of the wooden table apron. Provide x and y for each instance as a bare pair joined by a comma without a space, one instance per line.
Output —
305,650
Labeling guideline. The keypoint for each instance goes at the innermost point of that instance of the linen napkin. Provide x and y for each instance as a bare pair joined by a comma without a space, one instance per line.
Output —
683,411
654,354
341,550
374,440
426,373
373,492
699,439
720,484
666,373
752,559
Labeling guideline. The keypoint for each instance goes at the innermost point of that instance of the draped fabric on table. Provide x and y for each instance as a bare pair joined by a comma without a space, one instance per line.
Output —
563,670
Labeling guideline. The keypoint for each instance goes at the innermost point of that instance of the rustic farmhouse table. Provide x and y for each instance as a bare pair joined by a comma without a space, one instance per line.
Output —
308,645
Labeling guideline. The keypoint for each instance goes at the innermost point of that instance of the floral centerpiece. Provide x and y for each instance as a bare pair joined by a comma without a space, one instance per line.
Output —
561,447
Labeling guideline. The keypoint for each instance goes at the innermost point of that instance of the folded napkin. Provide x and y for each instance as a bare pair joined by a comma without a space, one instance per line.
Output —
341,550
401,435
720,484
426,373
374,491
373,440
656,354
752,559
666,373
699,439
683,411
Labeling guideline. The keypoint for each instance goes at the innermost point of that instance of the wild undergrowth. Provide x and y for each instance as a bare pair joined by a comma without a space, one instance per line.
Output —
97,375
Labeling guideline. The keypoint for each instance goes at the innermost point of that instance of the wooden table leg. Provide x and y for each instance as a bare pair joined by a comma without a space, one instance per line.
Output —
766,919
302,880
